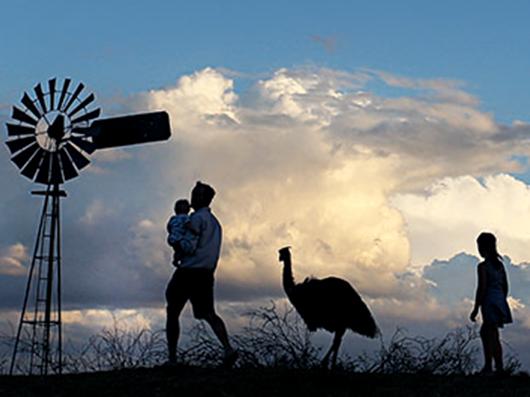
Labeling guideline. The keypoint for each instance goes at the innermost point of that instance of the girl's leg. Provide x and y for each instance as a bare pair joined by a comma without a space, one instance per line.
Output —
486,337
497,350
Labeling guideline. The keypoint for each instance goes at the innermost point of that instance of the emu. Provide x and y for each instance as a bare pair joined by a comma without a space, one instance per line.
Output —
330,303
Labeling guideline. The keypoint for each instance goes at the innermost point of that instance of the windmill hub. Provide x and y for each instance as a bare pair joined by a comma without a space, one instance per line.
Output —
53,130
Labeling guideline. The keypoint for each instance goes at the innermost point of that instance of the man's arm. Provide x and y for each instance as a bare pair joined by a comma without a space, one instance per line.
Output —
196,224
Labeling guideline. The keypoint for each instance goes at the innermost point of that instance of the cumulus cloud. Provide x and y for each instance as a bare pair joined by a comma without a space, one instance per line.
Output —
365,186
194,98
312,159
286,184
449,215
12,260
110,156
97,211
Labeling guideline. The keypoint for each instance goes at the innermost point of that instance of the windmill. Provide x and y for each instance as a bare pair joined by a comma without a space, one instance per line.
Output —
50,138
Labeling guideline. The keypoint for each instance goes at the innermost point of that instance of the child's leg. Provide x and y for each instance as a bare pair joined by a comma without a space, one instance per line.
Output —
177,253
497,350
486,337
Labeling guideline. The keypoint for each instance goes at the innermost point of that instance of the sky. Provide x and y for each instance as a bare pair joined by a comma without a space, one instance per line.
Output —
376,138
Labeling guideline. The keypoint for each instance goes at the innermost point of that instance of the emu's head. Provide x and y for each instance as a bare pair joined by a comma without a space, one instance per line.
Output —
285,254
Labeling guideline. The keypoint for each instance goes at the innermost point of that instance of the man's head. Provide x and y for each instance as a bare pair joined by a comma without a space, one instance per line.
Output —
182,207
201,195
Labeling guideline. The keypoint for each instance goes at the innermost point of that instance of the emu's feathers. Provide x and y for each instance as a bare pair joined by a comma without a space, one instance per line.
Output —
332,303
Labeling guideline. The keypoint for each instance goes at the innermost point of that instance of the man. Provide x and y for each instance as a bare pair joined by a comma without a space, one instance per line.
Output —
194,277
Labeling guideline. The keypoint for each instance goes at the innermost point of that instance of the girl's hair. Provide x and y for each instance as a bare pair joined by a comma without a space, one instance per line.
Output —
487,245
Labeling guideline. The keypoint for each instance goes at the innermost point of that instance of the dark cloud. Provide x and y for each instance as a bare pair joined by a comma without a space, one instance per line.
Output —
456,278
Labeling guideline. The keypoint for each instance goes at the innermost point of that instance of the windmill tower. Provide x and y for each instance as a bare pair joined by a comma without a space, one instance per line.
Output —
50,138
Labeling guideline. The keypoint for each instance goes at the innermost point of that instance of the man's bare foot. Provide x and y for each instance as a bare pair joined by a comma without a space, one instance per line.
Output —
230,359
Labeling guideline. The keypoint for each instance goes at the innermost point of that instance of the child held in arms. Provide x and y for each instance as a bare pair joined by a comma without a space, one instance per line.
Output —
180,236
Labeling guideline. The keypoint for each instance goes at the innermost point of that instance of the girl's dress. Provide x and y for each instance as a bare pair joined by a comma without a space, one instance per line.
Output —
494,308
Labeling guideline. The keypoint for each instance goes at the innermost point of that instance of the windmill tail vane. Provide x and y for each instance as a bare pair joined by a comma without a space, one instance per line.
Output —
50,137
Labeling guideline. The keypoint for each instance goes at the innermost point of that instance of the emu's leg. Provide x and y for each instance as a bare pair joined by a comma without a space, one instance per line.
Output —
337,339
336,345
324,363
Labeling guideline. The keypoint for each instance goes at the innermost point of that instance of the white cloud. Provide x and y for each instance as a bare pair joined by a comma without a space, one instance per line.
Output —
104,318
450,214
12,260
318,159
111,156
202,94
96,212
148,244
306,165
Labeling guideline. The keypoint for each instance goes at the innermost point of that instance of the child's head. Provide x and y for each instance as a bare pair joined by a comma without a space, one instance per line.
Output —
182,207
487,245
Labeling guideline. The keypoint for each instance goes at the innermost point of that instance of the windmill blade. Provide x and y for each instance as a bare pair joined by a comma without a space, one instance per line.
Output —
43,175
64,90
66,162
79,160
51,86
86,146
23,117
22,157
31,167
40,97
130,130
17,130
57,176
18,144
82,105
88,116
28,103
73,97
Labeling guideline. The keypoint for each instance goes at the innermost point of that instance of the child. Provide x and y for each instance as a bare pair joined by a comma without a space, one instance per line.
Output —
180,236
492,291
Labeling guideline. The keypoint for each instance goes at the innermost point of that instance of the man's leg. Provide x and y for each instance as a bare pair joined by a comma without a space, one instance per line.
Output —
219,329
202,300
173,330
176,299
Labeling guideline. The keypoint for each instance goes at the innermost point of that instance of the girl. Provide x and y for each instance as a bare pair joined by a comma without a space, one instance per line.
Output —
492,290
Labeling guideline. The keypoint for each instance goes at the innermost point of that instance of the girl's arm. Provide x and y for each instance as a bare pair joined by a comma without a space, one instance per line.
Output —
505,283
481,290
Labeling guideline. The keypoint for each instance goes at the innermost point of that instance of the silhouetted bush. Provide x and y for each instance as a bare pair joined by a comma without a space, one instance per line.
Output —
118,348
273,338
455,353
276,338
279,338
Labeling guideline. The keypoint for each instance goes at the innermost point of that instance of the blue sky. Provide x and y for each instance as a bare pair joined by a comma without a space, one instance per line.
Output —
120,46
376,138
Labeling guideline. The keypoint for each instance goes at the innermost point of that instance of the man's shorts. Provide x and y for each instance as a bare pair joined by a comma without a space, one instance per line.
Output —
195,285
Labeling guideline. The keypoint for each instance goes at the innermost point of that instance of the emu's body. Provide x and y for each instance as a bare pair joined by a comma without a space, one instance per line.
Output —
330,303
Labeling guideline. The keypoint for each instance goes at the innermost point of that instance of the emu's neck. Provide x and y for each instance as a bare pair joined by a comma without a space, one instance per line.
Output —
288,279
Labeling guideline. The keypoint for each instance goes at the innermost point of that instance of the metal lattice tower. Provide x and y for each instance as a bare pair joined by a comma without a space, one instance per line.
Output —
43,322
50,138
